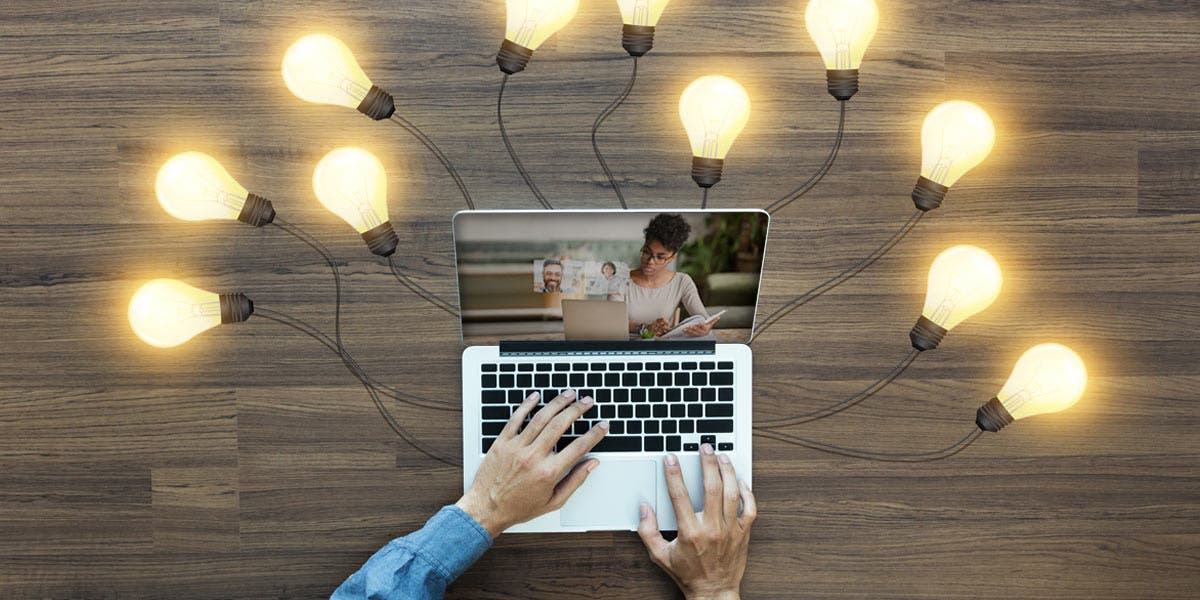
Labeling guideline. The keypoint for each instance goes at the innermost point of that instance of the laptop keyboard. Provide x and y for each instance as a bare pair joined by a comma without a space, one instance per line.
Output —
651,406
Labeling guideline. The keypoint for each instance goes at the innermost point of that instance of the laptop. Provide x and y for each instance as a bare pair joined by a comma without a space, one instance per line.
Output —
521,272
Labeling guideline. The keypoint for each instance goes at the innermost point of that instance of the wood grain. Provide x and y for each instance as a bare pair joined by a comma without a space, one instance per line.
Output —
249,464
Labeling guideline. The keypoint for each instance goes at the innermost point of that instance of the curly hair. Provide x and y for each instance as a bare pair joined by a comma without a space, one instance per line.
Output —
669,230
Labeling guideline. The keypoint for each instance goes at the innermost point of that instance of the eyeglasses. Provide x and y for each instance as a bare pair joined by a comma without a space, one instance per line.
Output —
656,258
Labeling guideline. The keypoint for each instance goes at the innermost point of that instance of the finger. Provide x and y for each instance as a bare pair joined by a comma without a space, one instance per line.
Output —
514,422
749,505
571,482
713,487
543,416
677,490
656,546
562,421
729,486
584,444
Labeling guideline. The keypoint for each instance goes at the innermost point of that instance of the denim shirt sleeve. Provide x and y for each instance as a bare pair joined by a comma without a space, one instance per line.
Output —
420,565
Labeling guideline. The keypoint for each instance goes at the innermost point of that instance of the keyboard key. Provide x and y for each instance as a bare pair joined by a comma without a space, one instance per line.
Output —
650,427
718,410
643,411
487,444
689,366
673,443
725,446
547,395
653,366
691,447
633,366
578,380
633,427
617,427
664,379
507,381
697,410
621,395
679,411
638,395
674,395
602,366
707,366
618,443
603,395
656,395
489,368
487,381
508,368
494,413
720,378
708,395
612,379
525,367
493,396
715,426
580,427
725,364
541,380
524,381
559,380
653,443
709,439
687,426
660,411
491,427
699,379
584,393
625,411
681,379
725,394
646,379
669,426
595,379
616,366
609,411
578,366
629,380
562,366
544,367
516,396
671,366
691,395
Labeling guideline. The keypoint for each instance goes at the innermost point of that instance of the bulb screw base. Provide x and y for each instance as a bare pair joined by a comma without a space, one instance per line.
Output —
926,335
382,240
235,308
706,172
513,57
842,83
928,194
257,211
637,39
377,104
992,416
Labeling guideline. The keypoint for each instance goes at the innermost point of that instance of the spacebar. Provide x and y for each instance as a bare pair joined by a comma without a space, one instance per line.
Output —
617,443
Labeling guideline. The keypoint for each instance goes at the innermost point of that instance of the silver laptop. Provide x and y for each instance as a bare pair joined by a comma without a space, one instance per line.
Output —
516,269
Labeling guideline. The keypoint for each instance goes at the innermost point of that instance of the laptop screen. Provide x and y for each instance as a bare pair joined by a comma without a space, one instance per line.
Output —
682,275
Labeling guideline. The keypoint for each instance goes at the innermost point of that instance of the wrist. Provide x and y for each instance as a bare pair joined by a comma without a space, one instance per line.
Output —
482,514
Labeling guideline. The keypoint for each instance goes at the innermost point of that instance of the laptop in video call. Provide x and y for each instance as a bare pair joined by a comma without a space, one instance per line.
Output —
647,311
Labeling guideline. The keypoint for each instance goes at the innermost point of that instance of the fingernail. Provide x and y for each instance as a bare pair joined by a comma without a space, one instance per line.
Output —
592,466
569,393
533,396
706,448
644,509
602,425
671,460
724,458
586,400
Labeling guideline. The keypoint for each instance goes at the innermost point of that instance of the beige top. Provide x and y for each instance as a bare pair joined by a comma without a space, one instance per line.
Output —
647,304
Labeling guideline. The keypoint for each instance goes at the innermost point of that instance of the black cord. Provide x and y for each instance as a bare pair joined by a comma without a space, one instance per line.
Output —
703,198
395,425
820,174
609,110
854,400
916,457
541,198
847,274
420,291
429,145
320,248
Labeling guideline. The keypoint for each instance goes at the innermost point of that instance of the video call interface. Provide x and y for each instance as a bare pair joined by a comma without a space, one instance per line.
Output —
680,275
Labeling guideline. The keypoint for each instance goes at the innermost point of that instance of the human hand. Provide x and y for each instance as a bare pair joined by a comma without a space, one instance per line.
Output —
521,478
700,328
660,326
708,558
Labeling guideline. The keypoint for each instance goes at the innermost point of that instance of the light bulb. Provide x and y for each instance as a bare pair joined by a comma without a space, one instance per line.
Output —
963,281
193,186
529,23
352,184
714,110
639,17
166,312
1048,378
319,68
956,136
842,30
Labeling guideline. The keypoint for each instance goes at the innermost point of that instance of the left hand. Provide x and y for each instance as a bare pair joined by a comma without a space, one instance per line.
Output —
700,328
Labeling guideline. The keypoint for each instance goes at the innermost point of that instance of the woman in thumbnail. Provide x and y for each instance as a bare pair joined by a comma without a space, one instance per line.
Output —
655,291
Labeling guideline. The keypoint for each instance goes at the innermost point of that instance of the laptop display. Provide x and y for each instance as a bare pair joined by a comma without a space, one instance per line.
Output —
682,275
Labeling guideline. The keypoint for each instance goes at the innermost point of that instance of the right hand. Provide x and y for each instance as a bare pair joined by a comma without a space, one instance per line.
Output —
708,558
660,326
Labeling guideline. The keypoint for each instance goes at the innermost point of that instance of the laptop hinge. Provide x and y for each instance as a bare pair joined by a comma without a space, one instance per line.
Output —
526,348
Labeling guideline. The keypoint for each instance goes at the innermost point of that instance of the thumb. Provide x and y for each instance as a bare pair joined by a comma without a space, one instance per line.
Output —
570,483
651,537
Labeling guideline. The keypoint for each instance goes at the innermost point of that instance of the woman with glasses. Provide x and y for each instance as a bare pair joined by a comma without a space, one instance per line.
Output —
655,291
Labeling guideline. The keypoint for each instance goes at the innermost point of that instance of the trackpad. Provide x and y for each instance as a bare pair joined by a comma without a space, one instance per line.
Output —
610,497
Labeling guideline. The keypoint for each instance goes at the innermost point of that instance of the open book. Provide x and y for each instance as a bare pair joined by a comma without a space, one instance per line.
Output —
688,322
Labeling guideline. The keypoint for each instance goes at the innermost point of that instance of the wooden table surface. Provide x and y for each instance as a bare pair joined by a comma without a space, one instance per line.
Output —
248,464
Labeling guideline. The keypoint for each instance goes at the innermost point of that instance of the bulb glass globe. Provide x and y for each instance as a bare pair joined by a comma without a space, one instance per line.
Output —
193,186
167,312
955,137
352,184
963,281
842,30
714,110
319,68
531,22
642,12
1047,378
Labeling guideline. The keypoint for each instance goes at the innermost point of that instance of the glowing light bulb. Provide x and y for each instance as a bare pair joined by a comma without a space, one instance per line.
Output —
193,186
639,17
1048,378
842,30
531,22
714,110
352,184
167,312
955,137
319,68
963,281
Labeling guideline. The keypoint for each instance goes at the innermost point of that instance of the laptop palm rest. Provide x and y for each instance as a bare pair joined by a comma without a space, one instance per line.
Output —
610,497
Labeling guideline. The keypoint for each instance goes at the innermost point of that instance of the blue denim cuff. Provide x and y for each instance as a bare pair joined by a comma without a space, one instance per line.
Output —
451,541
